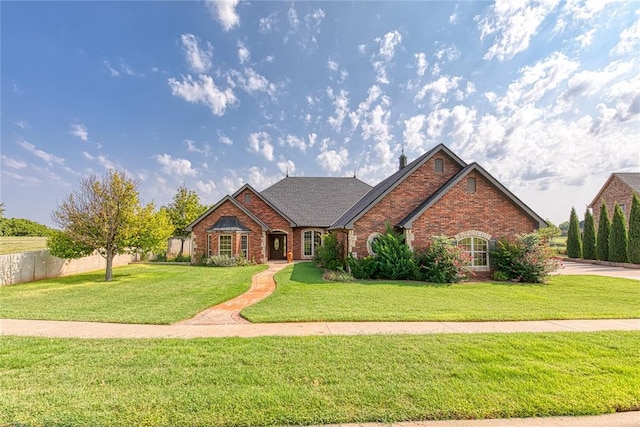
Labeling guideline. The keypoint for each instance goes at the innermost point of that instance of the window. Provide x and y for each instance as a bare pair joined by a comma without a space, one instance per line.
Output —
622,206
224,245
370,241
311,241
471,185
247,197
209,248
244,246
476,247
439,166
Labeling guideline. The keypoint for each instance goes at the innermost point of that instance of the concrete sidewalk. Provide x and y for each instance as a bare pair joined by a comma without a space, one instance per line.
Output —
586,268
63,329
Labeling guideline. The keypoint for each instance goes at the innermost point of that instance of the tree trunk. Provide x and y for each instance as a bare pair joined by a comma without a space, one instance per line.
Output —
108,274
181,246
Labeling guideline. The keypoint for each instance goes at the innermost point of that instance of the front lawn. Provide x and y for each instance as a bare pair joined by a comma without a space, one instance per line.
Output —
302,295
315,380
160,294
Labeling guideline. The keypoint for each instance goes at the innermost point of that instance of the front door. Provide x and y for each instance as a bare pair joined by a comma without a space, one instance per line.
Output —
277,246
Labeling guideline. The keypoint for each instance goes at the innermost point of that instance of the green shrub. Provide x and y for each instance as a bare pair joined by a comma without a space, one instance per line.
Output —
182,258
634,231
526,259
442,262
589,237
225,261
604,231
363,268
330,254
23,227
574,245
500,276
337,276
394,258
618,240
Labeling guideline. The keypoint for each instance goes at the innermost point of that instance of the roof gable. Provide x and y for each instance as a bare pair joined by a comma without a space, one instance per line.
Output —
236,204
264,199
631,179
407,222
377,193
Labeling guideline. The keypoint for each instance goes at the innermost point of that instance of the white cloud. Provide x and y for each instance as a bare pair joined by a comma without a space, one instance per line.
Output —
225,12
80,131
439,89
450,53
629,40
268,23
292,15
243,53
286,166
260,142
421,63
388,44
175,166
412,134
514,23
463,124
259,179
198,59
362,48
43,155
207,187
252,82
376,126
295,142
12,163
22,124
341,104
192,147
333,160
121,68
332,65
203,91
225,140
373,94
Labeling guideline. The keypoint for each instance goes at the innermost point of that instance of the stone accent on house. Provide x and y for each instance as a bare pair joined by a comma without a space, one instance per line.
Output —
409,237
614,190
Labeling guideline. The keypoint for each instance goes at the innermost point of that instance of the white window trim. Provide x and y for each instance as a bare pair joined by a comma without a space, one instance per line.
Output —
475,234
246,255
220,238
313,248
370,240
209,237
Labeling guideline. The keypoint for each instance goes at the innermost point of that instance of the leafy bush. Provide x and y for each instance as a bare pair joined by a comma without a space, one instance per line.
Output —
225,261
394,258
524,260
337,276
634,231
62,246
500,276
604,230
330,254
23,227
574,243
442,262
363,268
618,239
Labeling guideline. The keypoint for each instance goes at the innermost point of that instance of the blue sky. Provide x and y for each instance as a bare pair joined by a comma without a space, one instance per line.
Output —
545,95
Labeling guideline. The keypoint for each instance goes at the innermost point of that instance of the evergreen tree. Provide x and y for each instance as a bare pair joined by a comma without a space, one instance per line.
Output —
574,245
604,230
634,231
618,240
589,237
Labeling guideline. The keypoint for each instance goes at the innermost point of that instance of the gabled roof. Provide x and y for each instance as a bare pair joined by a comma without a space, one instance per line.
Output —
407,222
264,199
236,204
348,219
315,201
228,224
632,179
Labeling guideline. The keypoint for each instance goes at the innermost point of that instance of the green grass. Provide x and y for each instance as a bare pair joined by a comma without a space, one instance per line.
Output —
14,245
315,380
159,294
302,295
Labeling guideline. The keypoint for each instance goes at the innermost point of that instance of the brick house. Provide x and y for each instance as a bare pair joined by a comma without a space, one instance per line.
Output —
436,194
619,188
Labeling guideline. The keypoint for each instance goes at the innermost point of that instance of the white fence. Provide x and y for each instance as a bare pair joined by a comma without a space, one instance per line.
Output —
37,265
173,247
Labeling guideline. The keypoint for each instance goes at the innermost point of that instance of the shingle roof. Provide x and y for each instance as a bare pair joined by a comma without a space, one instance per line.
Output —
407,222
220,203
228,224
632,179
382,189
315,201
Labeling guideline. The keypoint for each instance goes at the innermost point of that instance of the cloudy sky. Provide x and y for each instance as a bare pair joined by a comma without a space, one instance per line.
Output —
545,95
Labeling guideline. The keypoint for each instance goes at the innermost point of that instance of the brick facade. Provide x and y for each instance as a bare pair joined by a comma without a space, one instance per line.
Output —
614,190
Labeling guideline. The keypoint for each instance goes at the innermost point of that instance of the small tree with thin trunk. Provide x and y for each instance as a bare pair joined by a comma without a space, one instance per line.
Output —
105,215
589,237
604,230
618,240
634,231
574,245
183,210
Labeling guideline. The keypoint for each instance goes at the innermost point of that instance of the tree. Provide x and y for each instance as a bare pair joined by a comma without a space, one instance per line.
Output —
550,232
634,231
589,237
182,211
618,240
564,227
574,245
105,215
604,230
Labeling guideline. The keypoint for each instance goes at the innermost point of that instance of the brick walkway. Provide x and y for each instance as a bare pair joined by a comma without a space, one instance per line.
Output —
228,312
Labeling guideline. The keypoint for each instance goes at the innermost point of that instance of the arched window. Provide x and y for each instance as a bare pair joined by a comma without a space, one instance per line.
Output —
370,240
476,245
311,241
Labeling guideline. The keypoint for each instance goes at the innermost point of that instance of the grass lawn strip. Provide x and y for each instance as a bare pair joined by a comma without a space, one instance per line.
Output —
151,294
302,295
315,380
17,244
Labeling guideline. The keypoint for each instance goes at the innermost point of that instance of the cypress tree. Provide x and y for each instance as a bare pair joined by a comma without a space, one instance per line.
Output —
618,240
589,237
604,230
634,231
574,245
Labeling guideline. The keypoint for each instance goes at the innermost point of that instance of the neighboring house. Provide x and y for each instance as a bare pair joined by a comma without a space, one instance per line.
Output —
620,188
436,194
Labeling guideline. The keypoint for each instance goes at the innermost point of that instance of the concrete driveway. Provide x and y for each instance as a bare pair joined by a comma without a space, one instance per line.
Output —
573,268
